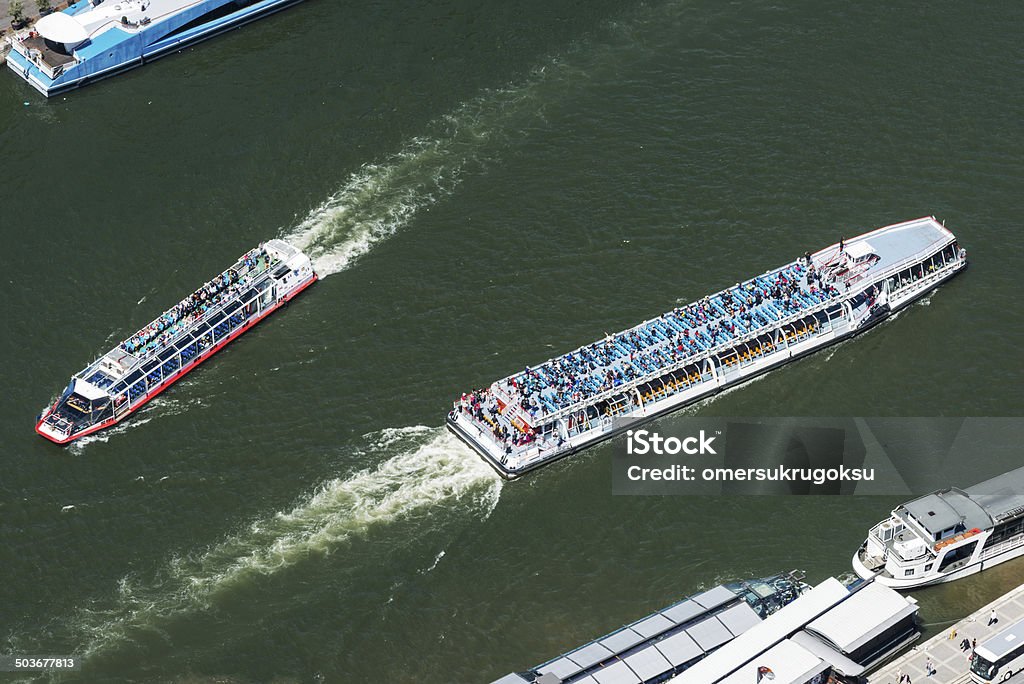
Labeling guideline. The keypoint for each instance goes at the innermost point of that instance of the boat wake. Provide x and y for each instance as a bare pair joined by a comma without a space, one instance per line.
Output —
162,405
422,469
382,198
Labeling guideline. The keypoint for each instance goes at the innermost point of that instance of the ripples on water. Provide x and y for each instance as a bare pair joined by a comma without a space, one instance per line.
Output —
419,469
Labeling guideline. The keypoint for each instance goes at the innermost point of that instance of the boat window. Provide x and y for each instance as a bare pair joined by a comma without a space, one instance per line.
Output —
957,554
1006,530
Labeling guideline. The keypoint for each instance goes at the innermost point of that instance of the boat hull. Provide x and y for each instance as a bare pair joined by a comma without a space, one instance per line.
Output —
206,354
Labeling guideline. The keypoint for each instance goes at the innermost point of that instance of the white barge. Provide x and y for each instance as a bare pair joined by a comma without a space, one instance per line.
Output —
946,535
565,404
118,383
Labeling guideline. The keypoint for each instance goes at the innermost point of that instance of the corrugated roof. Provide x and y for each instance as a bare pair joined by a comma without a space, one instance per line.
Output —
763,636
790,662
862,617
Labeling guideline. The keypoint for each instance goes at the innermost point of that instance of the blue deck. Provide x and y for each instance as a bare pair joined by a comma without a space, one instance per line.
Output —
755,305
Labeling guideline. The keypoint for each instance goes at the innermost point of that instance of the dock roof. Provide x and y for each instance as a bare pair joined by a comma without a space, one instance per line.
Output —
862,617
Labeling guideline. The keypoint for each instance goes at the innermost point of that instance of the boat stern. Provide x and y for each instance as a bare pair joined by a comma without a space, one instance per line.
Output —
19,62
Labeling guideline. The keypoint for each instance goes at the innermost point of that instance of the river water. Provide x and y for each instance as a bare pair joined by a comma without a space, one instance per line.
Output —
482,186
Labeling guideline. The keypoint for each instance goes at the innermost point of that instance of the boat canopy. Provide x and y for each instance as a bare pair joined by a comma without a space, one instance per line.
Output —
89,391
859,249
61,28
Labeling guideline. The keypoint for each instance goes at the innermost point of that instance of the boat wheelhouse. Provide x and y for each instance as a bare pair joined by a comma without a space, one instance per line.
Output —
565,404
665,643
946,535
139,368
92,39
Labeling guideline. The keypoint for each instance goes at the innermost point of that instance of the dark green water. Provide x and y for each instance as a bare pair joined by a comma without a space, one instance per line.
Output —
483,186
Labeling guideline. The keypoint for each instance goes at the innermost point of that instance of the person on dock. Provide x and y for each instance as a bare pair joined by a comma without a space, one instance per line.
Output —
992,618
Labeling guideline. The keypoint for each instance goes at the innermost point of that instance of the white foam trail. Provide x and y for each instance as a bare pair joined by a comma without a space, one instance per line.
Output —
437,560
79,445
429,468
381,198
162,405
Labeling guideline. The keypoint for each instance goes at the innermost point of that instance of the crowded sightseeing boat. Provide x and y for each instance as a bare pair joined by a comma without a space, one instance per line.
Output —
573,401
147,362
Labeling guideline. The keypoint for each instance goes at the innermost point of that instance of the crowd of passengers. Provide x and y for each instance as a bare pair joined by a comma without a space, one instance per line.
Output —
473,404
603,366
192,308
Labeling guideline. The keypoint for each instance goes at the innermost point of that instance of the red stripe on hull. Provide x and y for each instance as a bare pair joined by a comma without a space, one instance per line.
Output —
202,357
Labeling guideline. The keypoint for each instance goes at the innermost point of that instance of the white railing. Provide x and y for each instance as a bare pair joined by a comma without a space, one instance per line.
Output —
1002,547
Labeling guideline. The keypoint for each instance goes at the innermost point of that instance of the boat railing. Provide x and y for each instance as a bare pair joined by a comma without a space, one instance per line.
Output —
1003,546
893,269
38,57
146,380
605,423
59,423
512,407
258,274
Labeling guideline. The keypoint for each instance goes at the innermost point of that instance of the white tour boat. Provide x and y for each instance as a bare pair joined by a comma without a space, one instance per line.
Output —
118,383
947,535
573,401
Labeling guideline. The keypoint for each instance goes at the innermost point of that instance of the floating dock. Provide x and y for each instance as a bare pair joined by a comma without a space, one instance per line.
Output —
829,633
668,641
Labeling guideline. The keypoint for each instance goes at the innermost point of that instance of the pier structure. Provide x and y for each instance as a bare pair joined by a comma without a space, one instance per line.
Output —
951,663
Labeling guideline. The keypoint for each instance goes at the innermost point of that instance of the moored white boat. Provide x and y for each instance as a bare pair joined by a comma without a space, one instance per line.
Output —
947,535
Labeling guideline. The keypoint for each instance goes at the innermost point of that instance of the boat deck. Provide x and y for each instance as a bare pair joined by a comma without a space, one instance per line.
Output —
180,318
666,355
572,381
950,662
44,50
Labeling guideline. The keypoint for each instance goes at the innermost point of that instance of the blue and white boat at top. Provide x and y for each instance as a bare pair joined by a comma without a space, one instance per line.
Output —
568,403
93,39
